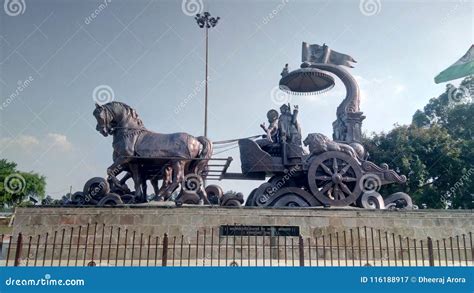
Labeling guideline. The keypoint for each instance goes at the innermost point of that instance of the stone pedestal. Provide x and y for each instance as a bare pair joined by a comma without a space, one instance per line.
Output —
187,220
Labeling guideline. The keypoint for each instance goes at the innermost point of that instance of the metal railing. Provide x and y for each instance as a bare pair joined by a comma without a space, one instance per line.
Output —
101,245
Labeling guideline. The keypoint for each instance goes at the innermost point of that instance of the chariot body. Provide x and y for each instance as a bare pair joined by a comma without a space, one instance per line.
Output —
334,172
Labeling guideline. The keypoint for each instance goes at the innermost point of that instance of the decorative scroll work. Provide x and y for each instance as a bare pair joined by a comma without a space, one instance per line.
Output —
372,200
386,175
399,200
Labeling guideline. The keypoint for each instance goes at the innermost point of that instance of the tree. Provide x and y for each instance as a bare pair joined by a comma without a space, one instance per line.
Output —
49,201
435,151
17,186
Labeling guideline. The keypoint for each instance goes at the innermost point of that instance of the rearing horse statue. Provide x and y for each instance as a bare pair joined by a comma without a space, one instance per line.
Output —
183,152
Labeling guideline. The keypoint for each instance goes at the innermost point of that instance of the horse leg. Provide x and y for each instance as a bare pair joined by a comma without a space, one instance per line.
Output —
177,178
137,180
115,169
112,173
125,178
154,184
121,187
144,187
166,173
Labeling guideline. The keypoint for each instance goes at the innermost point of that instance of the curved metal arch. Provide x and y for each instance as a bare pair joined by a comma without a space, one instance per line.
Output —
348,124
351,103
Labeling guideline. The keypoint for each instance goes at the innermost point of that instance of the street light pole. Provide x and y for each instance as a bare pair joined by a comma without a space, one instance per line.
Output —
205,89
206,21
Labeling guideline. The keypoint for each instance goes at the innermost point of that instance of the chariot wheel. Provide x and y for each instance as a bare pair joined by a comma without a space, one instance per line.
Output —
333,178
78,198
250,202
263,193
293,197
96,188
128,198
110,199
281,181
214,194
232,203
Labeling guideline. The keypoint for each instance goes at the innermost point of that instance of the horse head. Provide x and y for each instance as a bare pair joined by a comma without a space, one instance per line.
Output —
115,115
104,118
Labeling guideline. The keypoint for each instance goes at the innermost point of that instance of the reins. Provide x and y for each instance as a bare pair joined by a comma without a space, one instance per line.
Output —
235,140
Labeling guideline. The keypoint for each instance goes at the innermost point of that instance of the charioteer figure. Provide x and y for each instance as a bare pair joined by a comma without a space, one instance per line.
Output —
271,132
288,126
272,129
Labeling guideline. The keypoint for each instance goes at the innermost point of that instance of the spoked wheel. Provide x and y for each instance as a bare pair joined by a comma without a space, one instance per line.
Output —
333,178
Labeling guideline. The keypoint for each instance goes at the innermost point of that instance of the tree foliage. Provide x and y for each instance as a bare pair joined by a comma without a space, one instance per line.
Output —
17,186
435,151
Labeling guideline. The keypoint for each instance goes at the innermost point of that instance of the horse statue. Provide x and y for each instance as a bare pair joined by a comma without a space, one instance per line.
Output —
182,153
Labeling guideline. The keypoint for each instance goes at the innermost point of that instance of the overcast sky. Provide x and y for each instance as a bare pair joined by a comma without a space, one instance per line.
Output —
151,55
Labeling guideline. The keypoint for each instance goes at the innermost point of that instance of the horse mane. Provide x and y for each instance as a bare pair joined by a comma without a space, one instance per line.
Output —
129,110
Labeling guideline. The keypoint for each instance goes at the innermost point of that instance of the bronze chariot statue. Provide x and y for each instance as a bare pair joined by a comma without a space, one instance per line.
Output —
316,171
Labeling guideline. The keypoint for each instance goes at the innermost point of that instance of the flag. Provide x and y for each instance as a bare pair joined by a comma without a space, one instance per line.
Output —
322,54
463,67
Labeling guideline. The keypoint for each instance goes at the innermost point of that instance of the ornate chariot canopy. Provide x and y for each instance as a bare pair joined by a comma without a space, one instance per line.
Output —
305,81
310,79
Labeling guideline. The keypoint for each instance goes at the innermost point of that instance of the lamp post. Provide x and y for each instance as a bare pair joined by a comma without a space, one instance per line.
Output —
206,21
